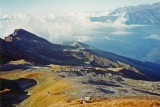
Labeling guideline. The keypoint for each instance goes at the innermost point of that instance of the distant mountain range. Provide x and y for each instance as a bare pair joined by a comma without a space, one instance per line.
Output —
22,44
147,19
141,14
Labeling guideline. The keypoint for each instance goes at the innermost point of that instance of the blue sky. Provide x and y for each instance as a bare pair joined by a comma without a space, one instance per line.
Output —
62,6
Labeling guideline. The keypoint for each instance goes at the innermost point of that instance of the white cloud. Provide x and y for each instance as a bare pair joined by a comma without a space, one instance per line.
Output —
120,33
83,38
56,28
154,36
98,14
61,28
107,37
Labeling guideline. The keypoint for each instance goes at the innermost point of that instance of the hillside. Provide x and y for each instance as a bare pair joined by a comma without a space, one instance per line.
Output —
37,50
8,52
72,85
74,74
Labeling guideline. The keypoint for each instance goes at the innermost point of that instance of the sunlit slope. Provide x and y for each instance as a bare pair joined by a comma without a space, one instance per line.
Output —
46,83
67,92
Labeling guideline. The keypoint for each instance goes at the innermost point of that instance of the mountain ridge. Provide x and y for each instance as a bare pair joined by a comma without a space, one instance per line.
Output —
47,53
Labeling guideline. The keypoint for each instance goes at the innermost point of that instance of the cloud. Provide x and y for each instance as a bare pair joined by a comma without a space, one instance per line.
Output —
56,28
107,37
60,28
120,33
83,38
98,14
153,36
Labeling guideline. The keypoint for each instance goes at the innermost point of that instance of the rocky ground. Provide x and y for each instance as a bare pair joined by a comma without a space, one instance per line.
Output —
96,82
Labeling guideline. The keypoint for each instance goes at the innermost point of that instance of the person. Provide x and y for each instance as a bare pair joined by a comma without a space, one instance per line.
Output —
48,93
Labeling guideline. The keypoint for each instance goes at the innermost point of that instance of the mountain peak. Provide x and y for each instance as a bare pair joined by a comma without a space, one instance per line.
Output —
16,34
16,31
77,44
74,43
23,35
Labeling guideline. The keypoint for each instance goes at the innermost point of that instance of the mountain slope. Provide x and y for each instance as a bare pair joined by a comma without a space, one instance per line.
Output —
153,56
38,50
8,52
147,68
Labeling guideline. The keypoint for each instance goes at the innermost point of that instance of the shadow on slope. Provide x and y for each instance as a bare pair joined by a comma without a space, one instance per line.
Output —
151,93
9,67
16,91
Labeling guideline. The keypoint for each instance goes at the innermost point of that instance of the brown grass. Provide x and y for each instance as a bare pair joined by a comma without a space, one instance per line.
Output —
48,82
40,96
5,90
18,62
119,102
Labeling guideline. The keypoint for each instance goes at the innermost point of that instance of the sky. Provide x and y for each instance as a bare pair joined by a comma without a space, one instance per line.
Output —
63,6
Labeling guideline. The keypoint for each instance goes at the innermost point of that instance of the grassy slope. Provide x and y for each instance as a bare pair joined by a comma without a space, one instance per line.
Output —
19,62
46,83
49,82
119,102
